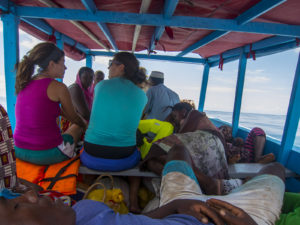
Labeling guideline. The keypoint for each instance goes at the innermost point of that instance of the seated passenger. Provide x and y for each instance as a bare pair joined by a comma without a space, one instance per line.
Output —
40,101
110,140
250,151
186,119
199,136
177,205
160,98
81,92
99,76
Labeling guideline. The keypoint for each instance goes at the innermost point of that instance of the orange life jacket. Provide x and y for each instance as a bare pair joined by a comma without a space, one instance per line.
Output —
59,177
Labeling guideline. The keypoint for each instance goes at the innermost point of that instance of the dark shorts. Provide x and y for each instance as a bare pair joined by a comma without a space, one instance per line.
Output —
47,156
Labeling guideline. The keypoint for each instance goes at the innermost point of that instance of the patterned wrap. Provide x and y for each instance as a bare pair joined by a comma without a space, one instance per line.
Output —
247,155
8,177
206,149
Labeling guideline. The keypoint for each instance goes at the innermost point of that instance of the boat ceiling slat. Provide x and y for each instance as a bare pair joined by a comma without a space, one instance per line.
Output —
169,8
90,5
242,19
218,24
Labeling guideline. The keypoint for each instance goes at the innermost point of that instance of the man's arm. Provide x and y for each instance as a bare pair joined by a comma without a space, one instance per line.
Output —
148,106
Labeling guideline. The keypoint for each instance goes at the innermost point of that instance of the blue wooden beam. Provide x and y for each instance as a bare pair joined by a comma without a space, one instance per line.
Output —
4,5
46,28
239,93
203,87
11,57
169,8
59,42
293,160
265,43
60,45
155,57
257,10
89,61
158,20
259,53
252,13
90,5
204,41
292,118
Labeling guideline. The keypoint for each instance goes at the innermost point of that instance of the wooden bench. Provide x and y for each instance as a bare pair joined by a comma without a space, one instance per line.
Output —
238,170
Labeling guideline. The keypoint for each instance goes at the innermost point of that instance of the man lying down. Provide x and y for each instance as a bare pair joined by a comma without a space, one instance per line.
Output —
258,201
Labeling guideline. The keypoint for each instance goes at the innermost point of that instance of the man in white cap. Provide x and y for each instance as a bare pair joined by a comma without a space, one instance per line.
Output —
160,98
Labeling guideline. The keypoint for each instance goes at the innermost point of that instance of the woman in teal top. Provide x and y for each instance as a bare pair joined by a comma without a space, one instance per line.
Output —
110,140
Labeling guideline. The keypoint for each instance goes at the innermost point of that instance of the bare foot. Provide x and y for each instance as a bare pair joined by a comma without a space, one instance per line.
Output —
267,158
234,159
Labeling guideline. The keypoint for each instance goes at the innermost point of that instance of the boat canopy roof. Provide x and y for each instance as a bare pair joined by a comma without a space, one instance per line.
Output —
214,29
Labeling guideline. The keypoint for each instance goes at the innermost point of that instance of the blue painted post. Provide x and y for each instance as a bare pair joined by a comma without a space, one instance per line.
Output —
203,87
60,45
239,93
292,119
59,41
11,57
88,61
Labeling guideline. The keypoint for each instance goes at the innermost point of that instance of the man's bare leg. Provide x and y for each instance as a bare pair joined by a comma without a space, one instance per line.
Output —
134,184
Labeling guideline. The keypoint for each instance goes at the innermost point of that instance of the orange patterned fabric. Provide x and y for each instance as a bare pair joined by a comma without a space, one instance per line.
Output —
8,177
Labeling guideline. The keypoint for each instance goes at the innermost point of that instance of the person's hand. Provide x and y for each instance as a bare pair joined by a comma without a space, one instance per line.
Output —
231,214
198,209
23,186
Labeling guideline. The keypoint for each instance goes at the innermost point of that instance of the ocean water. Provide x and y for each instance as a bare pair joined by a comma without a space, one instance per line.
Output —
272,124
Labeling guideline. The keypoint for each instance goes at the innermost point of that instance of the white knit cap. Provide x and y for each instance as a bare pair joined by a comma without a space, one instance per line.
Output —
157,74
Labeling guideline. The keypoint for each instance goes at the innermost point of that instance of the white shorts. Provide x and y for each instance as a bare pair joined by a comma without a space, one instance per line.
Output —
261,197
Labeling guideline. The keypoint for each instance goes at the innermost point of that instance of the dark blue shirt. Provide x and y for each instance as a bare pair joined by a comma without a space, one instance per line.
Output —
90,212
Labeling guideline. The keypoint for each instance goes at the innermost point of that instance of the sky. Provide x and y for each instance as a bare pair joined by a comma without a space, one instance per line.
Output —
268,80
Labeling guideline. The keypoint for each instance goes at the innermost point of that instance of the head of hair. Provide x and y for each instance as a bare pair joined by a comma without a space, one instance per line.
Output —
156,81
99,73
99,76
181,106
40,55
132,69
191,102
84,69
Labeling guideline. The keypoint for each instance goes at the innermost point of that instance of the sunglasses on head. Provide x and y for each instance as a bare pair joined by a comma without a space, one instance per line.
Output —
110,62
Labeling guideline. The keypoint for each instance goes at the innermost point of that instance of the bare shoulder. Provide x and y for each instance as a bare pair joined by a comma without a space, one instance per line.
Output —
57,85
56,90
74,87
